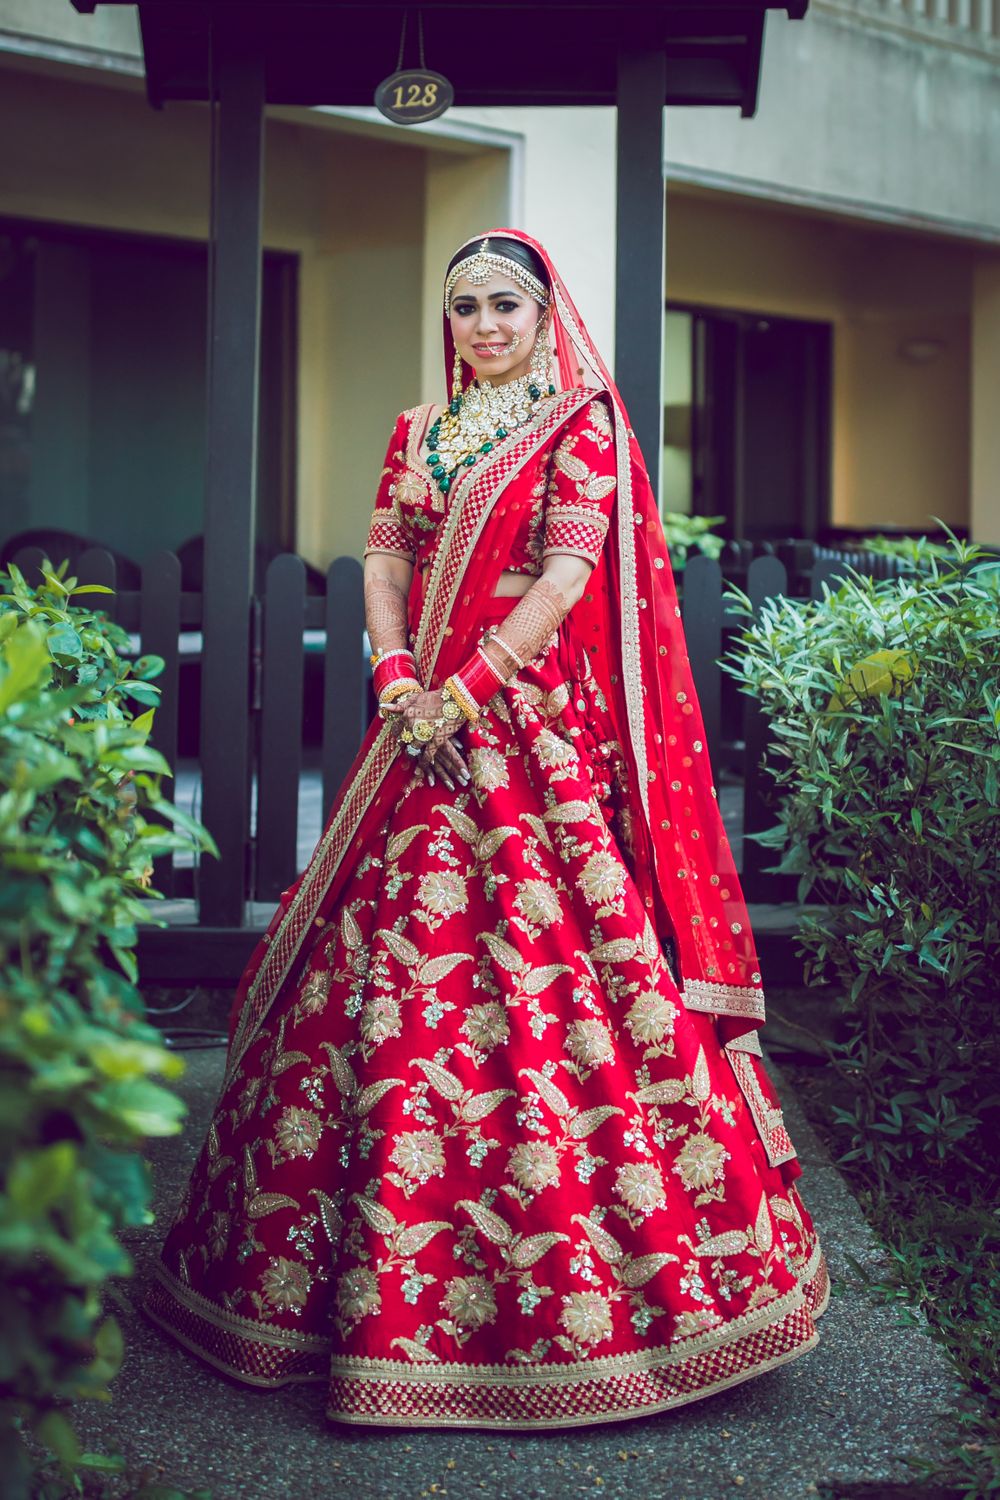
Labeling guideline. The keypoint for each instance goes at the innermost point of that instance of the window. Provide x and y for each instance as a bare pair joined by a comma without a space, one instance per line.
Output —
747,421
102,389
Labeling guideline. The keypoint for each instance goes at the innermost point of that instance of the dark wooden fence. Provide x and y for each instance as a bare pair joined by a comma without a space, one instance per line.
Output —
327,692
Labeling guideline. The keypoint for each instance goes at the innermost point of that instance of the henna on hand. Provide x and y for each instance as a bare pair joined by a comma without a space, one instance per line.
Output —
529,627
404,713
446,761
385,614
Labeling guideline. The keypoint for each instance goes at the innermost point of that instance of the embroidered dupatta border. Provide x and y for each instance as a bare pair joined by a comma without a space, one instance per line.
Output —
464,523
709,995
739,1001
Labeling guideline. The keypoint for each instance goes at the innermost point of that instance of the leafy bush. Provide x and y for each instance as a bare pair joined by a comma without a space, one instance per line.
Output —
77,1060
884,705
684,533
912,551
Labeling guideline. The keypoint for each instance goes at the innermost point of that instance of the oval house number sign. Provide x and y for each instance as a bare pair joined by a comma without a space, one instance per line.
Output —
414,95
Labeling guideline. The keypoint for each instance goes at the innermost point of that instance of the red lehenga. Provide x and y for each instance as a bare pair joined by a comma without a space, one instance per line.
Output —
495,1145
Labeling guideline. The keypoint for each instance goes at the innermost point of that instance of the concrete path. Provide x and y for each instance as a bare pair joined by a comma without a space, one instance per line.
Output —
837,1422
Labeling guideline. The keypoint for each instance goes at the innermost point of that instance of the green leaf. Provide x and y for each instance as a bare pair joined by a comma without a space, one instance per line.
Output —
38,1179
63,640
102,1463
143,1108
26,659
55,1433
142,692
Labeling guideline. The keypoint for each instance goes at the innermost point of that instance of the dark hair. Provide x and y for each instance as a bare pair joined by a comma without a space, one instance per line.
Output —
512,249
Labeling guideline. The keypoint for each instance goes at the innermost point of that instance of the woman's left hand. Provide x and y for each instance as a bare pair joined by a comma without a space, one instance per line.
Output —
440,755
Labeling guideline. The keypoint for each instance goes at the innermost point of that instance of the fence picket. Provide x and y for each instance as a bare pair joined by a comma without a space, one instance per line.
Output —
833,571
98,566
159,633
279,764
766,578
345,680
30,560
701,606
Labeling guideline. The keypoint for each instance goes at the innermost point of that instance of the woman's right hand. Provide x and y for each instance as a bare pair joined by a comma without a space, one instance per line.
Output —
440,755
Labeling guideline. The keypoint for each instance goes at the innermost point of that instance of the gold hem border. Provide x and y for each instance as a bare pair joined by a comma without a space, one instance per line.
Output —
260,1383
203,1307
614,1414
791,1316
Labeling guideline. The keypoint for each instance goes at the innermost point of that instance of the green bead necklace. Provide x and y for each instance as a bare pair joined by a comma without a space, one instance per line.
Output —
475,421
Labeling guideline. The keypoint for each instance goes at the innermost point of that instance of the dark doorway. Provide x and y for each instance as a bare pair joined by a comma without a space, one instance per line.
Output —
747,423
102,390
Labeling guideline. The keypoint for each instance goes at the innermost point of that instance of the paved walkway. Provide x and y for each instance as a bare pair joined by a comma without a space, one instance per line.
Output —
844,1415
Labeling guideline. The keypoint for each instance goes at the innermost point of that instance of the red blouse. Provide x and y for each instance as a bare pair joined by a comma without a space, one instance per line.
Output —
571,481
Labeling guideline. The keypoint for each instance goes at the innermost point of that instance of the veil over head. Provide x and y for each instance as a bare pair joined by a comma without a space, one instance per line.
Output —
630,622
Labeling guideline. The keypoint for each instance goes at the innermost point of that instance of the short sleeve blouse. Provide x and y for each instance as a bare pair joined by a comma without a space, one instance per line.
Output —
572,486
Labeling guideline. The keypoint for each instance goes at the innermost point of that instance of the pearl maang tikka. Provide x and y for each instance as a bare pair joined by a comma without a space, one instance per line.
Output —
484,263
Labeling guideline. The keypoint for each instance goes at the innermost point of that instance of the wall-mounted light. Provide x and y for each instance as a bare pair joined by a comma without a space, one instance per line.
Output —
921,351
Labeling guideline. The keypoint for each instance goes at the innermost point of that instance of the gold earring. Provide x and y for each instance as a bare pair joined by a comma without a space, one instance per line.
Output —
541,359
456,377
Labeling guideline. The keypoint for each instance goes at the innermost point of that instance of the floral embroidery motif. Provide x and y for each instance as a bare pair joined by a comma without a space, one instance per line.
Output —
482,1137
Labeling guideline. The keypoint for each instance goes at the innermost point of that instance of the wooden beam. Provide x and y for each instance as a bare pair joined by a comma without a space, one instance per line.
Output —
639,277
231,474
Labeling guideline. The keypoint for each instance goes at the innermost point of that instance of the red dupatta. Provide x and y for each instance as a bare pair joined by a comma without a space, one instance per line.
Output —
630,622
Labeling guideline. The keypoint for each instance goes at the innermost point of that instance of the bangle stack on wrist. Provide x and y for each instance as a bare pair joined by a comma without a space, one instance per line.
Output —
394,672
516,663
476,681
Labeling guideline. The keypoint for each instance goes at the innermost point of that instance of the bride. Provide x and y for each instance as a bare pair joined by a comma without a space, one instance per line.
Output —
495,1145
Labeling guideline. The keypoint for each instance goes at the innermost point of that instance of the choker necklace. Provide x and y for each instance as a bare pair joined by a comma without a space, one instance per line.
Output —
473,422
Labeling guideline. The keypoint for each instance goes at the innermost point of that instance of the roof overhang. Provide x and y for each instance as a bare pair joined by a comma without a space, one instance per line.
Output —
494,52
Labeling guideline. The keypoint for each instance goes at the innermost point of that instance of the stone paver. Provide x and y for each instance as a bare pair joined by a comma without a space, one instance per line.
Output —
871,1393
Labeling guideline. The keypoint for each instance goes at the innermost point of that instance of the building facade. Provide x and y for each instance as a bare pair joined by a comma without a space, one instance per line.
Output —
832,349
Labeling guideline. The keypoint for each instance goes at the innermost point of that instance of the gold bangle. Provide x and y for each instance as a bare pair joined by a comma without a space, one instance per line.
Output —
378,655
454,690
498,640
398,689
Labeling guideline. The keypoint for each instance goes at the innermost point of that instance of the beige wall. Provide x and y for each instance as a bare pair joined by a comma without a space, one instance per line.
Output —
565,197
100,156
901,430
111,29
866,107
373,220
463,194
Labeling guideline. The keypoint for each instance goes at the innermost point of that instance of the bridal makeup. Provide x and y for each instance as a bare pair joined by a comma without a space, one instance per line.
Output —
493,327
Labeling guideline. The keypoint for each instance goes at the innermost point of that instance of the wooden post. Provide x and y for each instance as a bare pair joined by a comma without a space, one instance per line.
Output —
639,294
230,489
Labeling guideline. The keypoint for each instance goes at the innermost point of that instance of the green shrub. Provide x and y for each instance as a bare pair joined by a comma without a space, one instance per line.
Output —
691,533
884,705
81,821
913,551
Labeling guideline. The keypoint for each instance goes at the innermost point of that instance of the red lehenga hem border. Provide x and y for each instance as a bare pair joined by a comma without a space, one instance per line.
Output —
386,1392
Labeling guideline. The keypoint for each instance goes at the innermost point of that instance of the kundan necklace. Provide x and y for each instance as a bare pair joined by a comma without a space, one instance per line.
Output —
483,414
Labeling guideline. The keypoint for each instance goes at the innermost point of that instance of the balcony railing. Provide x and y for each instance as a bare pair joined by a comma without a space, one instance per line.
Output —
968,25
